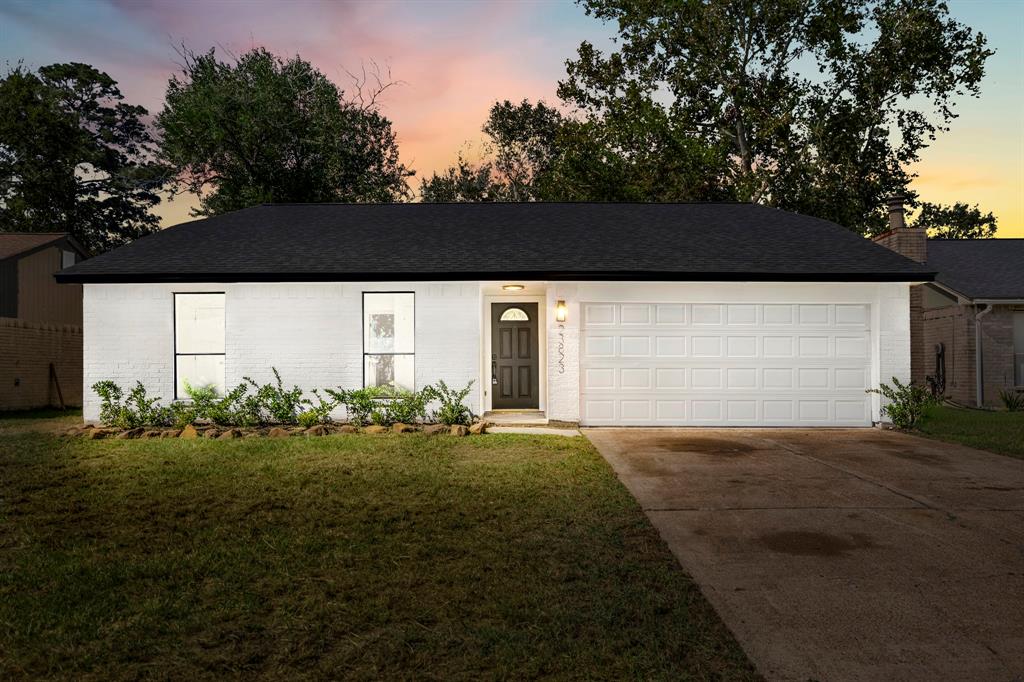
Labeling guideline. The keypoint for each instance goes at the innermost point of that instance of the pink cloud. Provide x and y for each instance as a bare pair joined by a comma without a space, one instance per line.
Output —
453,59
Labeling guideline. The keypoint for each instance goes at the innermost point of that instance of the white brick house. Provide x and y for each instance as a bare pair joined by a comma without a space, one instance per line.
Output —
604,314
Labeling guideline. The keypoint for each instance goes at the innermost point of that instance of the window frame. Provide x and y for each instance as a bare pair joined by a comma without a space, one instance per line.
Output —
362,332
174,334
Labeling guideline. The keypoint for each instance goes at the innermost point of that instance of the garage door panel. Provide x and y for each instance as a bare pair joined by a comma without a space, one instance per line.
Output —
741,346
666,315
678,364
634,346
670,346
635,314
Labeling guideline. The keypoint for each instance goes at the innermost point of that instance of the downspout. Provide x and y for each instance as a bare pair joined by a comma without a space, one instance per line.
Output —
979,359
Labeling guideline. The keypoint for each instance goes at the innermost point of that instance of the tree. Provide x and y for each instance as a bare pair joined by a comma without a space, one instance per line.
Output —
517,158
75,158
535,153
958,221
817,106
524,140
462,182
263,129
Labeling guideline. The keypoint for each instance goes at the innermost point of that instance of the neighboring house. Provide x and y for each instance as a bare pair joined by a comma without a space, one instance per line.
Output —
967,327
40,322
604,314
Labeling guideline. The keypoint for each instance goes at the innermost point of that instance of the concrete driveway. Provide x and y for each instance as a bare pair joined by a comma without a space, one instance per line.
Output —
842,554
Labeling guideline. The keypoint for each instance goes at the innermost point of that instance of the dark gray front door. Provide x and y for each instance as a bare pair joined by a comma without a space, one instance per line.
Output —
515,368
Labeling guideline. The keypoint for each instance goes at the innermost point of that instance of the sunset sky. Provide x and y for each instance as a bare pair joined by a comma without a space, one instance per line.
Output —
456,58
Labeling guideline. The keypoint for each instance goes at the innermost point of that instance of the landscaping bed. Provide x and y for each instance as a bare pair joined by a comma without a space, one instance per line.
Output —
346,556
190,431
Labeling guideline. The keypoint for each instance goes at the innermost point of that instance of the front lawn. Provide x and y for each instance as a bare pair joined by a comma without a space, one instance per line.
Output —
496,556
1001,432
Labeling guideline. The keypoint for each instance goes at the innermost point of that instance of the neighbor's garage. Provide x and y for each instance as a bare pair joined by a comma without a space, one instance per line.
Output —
714,364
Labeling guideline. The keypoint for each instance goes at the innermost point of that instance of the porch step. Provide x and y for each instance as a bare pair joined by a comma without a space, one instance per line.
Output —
515,418
535,430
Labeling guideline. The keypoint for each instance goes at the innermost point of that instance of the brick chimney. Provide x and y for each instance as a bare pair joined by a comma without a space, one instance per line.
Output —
911,242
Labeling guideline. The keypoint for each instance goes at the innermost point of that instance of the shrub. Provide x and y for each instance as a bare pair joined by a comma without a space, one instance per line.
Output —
906,402
407,407
137,409
318,413
452,410
183,414
110,400
274,403
235,408
383,405
1013,400
359,404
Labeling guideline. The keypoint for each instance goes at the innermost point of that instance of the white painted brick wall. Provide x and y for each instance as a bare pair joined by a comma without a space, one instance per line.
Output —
563,402
311,332
893,359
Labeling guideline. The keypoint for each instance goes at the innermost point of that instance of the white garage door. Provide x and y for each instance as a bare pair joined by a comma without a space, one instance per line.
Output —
663,364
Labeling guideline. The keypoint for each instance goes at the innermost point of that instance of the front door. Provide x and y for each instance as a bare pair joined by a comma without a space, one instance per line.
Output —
515,368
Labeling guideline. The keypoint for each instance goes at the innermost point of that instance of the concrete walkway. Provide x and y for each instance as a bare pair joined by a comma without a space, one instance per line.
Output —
842,554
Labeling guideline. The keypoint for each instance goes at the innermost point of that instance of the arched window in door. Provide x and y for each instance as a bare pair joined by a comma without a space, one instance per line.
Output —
514,315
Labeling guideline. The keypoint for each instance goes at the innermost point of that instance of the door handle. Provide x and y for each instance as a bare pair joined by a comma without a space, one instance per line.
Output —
494,372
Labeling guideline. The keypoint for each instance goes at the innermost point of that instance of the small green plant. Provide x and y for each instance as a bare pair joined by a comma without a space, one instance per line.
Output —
407,407
183,414
906,402
319,412
453,409
383,405
278,405
359,403
1013,399
110,400
136,410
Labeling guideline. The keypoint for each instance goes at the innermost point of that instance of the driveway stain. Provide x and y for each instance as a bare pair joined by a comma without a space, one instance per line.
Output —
919,456
807,543
704,446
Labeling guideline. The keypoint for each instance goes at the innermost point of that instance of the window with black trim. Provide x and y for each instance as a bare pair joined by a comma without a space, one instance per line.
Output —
198,342
389,343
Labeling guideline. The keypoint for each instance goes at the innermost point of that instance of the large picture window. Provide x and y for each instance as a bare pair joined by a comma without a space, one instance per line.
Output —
198,342
389,331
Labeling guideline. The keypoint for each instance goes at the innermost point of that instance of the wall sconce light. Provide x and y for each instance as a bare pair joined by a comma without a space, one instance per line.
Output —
561,310
513,287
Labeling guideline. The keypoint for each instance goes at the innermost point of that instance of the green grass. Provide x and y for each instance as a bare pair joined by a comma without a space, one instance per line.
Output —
346,556
1001,432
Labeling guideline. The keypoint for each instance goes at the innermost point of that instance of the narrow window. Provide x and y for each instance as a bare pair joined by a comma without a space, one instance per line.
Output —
1018,348
389,331
198,342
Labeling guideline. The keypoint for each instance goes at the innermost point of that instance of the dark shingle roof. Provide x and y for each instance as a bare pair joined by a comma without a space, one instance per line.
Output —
14,243
979,268
352,242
